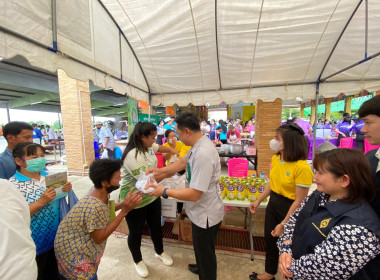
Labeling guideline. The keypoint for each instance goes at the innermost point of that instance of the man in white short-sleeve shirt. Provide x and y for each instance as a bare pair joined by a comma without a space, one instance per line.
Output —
17,249
204,203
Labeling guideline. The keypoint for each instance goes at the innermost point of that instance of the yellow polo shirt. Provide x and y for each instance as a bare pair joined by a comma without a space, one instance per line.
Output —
180,147
285,176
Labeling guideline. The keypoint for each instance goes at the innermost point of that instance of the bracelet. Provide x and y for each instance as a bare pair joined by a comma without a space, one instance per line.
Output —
282,223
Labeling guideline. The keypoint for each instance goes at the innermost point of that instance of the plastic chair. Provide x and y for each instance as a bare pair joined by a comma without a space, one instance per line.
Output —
160,160
118,153
346,142
368,147
237,167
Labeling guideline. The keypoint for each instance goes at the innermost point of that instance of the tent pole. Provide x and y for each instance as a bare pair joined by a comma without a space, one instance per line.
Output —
8,114
150,104
54,23
59,121
366,29
315,121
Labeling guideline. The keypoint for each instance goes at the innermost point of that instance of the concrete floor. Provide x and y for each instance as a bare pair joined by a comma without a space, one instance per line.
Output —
117,261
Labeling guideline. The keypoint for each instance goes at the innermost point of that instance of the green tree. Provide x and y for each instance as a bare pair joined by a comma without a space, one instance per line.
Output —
295,113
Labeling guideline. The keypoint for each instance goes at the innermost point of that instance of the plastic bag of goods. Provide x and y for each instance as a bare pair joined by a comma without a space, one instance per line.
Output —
173,159
174,182
252,192
145,180
240,190
230,189
222,187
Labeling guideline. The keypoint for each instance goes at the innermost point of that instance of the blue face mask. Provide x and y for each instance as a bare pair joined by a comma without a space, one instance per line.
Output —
36,165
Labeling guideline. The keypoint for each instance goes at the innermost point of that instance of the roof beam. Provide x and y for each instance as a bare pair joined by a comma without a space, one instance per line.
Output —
338,40
126,40
216,41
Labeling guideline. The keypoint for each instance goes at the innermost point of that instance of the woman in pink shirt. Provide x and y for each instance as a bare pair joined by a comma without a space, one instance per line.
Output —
233,135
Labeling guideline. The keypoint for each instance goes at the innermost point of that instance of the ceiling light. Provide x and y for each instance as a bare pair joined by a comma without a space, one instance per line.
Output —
120,113
1,58
109,88
120,104
36,103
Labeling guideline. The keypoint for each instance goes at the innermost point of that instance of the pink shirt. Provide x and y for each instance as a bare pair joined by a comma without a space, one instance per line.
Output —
250,127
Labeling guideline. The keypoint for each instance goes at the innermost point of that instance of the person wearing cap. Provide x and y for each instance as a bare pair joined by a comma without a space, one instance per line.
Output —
106,139
168,124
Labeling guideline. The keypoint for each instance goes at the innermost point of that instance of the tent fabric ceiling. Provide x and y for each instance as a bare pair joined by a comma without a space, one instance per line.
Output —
201,51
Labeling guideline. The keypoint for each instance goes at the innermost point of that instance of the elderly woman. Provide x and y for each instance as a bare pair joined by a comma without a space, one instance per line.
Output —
82,235
173,143
43,203
233,135
335,233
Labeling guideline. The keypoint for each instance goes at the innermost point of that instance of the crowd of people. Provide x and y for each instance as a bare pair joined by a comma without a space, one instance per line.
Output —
331,233
221,132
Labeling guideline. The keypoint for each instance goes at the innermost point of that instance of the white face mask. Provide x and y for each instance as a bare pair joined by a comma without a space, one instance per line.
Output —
275,145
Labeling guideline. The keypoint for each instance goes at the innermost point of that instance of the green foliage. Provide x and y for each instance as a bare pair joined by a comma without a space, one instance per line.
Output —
56,125
286,113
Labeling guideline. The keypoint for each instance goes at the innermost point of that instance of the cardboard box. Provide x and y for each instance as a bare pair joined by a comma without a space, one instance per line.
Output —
182,227
185,232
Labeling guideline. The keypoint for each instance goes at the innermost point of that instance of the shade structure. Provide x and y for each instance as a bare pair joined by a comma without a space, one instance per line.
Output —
201,51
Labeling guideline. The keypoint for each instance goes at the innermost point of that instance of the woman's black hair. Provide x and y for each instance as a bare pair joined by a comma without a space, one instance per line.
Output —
224,127
167,132
135,140
26,149
354,164
103,170
347,119
294,141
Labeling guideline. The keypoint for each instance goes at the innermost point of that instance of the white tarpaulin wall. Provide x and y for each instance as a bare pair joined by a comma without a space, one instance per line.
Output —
202,51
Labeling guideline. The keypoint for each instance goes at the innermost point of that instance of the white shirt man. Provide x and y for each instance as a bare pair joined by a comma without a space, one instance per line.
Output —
204,204
17,249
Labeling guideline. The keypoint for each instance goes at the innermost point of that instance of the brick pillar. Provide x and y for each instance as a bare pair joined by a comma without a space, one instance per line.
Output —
268,119
302,107
347,105
377,92
312,113
77,123
328,109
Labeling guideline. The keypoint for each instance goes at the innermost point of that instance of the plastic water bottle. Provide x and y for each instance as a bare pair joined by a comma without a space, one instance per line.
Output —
262,176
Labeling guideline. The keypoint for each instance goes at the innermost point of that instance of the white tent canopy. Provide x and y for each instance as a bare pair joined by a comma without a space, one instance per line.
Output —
201,51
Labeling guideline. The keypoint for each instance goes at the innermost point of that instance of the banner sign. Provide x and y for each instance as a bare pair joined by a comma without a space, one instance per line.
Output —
132,113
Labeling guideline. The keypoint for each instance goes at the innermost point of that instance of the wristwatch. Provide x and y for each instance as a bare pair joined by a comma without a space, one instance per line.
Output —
164,193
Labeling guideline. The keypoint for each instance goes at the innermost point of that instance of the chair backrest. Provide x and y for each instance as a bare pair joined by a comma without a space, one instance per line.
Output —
118,153
346,142
368,147
160,160
237,167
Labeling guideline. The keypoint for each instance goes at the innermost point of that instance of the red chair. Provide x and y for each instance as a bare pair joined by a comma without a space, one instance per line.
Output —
368,147
346,142
237,167
160,160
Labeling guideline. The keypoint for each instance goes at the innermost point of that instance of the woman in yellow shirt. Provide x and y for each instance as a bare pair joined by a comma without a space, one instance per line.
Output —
171,142
290,179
